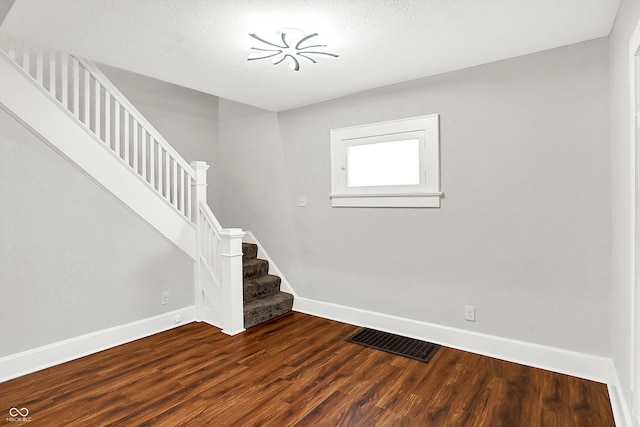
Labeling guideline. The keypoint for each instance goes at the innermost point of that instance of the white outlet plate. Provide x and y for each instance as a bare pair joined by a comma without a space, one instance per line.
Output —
469,313
165,298
302,202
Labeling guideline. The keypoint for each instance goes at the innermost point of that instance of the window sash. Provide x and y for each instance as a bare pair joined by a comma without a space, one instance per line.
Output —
384,163
425,129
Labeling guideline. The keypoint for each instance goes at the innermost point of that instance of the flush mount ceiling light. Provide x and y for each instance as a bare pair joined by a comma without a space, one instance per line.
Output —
286,49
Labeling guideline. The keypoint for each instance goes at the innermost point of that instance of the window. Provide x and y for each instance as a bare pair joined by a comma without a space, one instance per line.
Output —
384,163
389,164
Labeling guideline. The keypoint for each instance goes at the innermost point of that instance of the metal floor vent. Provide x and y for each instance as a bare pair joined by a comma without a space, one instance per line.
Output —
396,344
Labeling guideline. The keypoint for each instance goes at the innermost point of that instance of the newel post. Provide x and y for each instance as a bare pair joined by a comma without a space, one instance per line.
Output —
199,185
198,194
231,272
228,258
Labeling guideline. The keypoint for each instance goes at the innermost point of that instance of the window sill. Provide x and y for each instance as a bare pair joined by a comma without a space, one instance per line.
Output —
410,200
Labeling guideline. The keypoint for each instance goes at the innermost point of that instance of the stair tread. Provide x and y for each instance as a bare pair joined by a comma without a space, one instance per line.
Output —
253,261
249,250
254,267
260,287
273,299
267,308
265,278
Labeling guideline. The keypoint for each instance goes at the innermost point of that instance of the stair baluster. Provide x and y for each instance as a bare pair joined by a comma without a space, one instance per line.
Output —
139,146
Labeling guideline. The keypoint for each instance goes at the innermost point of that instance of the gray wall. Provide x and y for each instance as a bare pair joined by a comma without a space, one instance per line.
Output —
73,259
186,118
523,233
623,175
5,7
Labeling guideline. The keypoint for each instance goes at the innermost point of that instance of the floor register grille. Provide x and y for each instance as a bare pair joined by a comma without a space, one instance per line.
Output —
396,344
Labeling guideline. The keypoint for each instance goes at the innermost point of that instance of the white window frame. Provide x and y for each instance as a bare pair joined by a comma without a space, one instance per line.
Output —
426,194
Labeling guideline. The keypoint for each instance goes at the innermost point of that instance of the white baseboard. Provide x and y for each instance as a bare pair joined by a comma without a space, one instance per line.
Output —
29,361
621,411
567,362
581,365
573,363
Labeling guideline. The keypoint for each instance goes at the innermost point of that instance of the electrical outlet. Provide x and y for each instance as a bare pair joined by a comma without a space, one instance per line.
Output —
302,202
165,298
469,313
177,318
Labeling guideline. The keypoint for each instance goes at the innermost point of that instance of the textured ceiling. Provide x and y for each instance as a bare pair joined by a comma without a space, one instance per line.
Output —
203,44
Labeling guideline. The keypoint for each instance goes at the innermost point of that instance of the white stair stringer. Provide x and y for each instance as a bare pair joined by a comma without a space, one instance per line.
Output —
273,268
32,105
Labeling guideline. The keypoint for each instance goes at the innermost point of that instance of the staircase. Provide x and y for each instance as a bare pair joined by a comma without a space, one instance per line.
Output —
75,109
262,297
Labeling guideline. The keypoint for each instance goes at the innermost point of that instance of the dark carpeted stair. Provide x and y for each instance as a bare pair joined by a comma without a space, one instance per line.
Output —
263,299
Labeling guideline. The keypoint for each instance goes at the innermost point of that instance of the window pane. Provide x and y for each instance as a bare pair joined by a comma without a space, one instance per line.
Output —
384,163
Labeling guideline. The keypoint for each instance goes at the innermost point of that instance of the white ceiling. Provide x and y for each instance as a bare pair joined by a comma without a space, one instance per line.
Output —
203,44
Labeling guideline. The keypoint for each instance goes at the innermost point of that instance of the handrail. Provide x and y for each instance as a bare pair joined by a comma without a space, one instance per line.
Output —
218,272
209,231
87,94
211,218
133,111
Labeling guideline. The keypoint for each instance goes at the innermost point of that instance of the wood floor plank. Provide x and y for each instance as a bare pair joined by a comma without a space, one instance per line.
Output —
298,371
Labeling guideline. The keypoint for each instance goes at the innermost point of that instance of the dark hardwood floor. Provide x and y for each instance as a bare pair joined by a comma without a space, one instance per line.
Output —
299,371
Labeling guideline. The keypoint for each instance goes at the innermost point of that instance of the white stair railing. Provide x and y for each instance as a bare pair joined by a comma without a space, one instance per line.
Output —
88,96
85,92
218,267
